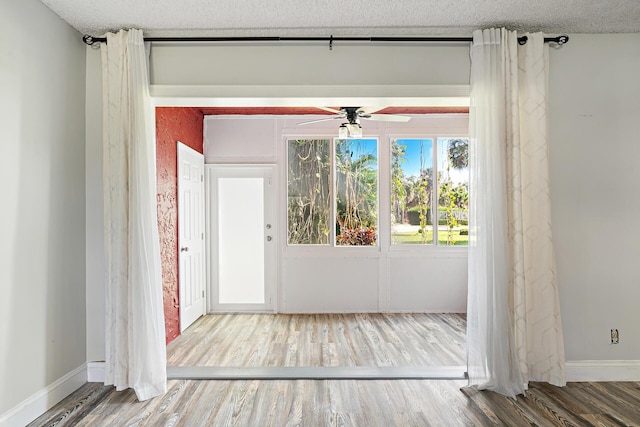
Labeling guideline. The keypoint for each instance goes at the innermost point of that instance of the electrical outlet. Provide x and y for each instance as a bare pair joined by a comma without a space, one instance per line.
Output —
615,336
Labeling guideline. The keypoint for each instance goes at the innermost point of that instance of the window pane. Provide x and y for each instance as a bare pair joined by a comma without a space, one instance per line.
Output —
241,240
308,188
453,191
411,191
356,192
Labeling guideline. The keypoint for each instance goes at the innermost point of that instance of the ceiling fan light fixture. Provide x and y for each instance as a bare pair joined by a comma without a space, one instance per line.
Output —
343,132
355,130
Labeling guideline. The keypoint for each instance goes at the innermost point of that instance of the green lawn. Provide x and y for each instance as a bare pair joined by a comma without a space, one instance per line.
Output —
413,237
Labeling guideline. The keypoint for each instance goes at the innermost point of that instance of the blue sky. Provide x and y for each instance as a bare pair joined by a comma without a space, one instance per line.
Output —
411,165
364,146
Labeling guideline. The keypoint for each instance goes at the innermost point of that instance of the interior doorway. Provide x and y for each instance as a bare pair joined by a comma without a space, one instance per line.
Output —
310,277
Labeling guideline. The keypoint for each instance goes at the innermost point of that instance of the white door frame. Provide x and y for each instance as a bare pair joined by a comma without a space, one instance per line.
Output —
212,172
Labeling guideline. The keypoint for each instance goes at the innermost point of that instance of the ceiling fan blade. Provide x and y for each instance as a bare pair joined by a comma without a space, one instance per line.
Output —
319,120
387,118
331,110
370,110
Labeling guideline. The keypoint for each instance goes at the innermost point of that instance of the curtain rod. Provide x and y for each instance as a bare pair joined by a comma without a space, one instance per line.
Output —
90,40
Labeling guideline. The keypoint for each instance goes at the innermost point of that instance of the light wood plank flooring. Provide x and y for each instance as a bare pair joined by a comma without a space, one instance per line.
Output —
345,340
322,340
349,403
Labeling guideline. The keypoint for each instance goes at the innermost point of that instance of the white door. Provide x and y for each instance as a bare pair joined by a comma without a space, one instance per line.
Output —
191,267
243,237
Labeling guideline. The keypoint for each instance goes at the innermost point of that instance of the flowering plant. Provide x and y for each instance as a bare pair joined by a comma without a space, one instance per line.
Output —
359,236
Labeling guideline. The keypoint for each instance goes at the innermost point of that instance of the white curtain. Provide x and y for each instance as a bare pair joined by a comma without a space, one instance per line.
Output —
135,337
514,330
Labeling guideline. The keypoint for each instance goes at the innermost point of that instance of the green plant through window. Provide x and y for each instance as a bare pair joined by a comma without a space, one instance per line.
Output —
308,188
332,191
413,162
356,175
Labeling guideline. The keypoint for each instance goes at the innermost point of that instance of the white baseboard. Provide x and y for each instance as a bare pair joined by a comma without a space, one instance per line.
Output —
43,400
95,372
603,370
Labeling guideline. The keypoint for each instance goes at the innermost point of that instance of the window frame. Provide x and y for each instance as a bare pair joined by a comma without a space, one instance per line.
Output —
383,243
429,247
334,210
331,196
332,192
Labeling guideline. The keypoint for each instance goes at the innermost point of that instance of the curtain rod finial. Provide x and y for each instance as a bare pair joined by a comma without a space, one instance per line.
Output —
87,39
559,41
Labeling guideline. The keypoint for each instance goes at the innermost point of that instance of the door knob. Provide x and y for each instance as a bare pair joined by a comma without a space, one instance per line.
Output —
184,249
268,226
268,238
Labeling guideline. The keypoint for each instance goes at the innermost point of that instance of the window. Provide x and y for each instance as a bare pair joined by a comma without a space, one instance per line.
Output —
411,191
310,185
453,191
309,191
333,200
416,202
356,177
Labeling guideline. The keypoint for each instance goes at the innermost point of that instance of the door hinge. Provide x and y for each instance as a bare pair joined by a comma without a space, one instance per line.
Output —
202,236
202,294
201,178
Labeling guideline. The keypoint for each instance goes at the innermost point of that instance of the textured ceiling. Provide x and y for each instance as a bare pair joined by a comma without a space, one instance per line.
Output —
344,18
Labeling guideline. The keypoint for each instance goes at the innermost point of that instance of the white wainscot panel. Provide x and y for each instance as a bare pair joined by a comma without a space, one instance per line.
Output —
330,285
239,139
437,285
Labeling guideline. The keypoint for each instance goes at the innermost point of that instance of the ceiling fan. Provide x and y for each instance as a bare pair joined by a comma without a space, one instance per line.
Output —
352,115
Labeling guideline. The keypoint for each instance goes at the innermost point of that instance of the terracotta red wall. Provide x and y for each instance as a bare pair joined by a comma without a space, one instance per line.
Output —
172,124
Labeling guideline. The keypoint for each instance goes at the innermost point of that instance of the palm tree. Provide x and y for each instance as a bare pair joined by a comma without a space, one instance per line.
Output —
458,153
398,179
451,197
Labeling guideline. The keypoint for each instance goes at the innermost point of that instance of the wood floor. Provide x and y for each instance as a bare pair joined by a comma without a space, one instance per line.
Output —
322,340
327,340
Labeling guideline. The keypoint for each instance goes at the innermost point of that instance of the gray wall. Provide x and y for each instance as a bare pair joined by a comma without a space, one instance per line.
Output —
42,220
595,188
310,64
